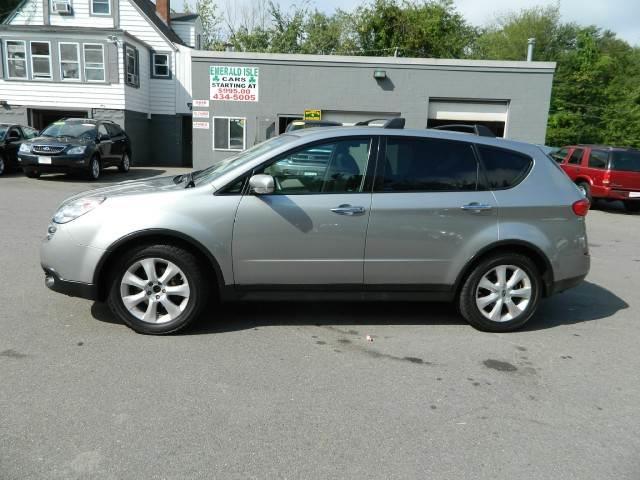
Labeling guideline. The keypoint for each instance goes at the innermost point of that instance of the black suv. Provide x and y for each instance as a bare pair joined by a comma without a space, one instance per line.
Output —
76,145
11,137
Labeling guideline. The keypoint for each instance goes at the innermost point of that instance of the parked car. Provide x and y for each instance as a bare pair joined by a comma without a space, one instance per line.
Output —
11,137
396,215
76,145
302,124
609,173
476,129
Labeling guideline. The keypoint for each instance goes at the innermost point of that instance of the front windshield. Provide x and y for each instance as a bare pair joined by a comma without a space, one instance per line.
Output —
219,169
70,129
3,131
628,161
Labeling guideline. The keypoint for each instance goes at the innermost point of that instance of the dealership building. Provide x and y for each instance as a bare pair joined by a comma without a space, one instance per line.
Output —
240,99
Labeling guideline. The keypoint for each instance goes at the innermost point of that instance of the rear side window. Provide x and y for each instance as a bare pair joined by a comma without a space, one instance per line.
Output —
560,155
598,159
113,129
504,168
628,161
576,156
427,165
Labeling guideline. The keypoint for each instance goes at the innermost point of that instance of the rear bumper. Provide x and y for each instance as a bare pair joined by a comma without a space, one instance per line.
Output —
59,163
68,287
625,195
566,284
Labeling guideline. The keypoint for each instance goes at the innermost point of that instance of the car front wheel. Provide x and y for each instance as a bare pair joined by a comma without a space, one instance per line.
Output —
501,293
94,168
157,289
3,165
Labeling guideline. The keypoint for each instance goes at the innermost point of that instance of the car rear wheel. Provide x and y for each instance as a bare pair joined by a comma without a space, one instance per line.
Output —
3,165
632,206
501,293
32,172
157,289
125,164
94,168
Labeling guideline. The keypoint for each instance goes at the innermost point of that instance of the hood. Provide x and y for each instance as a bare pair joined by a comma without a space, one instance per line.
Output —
131,187
63,140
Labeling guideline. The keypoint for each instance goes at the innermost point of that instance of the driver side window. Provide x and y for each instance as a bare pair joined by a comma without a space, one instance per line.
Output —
336,167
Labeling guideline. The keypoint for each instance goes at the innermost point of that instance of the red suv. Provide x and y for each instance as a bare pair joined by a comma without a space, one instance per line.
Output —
609,173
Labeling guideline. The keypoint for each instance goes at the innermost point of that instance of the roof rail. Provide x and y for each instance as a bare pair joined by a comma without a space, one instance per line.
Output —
396,123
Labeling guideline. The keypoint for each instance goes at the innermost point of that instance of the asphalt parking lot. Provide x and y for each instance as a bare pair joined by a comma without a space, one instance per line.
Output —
288,390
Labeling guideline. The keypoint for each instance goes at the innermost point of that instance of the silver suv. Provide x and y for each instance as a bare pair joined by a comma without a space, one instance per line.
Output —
369,213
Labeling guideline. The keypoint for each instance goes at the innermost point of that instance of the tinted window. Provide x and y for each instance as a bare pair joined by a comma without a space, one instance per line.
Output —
29,132
576,156
428,165
102,130
336,167
70,129
504,168
628,161
113,129
598,159
560,155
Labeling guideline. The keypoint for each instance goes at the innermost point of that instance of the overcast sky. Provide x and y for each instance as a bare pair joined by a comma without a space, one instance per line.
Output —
621,16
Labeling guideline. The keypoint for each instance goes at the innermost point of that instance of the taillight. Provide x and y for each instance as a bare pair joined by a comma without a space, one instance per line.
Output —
581,207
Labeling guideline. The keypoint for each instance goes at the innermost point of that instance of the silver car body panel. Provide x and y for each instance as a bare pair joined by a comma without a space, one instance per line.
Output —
401,239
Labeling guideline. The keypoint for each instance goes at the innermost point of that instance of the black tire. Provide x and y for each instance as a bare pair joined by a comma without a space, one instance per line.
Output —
3,165
125,163
587,190
194,277
467,299
94,172
32,173
632,206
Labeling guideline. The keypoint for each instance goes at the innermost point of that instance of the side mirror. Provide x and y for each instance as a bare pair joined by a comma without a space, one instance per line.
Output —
262,184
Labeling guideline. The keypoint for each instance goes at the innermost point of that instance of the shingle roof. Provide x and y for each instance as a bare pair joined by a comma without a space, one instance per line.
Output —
149,9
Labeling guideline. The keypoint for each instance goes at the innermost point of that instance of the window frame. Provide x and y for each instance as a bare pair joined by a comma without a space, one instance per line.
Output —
213,134
60,62
153,65
92,12
6,59
84,63
564,157
135,83
32,56
606,161
574,150
481,181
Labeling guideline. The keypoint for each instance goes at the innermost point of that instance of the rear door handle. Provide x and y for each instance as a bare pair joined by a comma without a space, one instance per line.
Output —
349,210
476,207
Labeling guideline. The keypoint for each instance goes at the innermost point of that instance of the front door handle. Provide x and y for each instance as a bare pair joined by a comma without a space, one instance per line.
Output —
349,210
477,207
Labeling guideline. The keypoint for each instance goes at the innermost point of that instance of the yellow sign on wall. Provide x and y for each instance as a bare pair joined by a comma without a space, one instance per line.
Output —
313,114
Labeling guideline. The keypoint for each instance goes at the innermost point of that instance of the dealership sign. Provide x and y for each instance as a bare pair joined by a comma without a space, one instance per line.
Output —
233,83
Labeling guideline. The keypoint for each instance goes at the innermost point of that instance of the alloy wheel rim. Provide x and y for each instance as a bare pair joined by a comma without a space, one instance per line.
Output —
504,293
154,290
95,168
1,165
125,162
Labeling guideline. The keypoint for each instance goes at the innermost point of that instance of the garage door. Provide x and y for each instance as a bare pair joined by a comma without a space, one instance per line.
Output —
493,114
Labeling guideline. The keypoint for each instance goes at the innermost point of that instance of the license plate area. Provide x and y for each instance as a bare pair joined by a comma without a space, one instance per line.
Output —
634,194
44,160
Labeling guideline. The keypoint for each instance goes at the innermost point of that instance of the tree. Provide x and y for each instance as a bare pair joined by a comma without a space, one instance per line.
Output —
208,12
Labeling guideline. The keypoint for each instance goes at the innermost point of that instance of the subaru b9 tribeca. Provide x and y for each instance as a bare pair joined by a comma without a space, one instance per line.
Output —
365,213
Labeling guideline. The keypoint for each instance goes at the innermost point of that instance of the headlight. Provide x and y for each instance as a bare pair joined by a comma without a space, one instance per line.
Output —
77,208
76,150
24,148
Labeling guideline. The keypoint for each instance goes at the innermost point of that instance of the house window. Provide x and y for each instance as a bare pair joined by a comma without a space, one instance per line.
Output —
100,7
132,77
228,133
160,65
93,62
40,60
69,61
16,59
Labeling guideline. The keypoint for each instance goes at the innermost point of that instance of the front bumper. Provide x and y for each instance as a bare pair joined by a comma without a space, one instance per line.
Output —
59,163
69,287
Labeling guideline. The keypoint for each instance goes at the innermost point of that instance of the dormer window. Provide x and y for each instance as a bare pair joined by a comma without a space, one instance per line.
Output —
100,7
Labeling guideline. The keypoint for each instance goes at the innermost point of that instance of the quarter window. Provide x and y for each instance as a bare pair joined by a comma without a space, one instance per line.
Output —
428,165
160,65
576,157
100,7
94,62
598,159
131,66
16,59
228,133
336,167
504,168
41,60
69,61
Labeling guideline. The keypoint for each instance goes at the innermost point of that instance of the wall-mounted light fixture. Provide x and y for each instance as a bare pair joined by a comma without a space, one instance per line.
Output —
379,74
113,39
190,105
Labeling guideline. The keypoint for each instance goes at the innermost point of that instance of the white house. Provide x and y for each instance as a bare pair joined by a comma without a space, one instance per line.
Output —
124,60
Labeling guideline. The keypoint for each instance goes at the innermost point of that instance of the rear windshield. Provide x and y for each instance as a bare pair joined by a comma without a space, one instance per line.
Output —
628,161
504,168
70,129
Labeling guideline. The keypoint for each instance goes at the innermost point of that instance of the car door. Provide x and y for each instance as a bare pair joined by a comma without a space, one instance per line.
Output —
105,145
311,230
429,215
595,168
117,141
13,139
573,165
